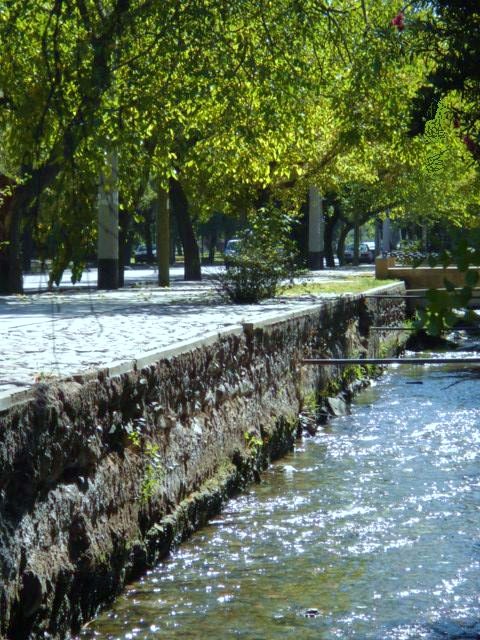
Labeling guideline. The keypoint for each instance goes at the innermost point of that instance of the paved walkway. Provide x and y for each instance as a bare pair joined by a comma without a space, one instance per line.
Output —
67,331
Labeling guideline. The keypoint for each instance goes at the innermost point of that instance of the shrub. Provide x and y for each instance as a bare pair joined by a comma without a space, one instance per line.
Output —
264,261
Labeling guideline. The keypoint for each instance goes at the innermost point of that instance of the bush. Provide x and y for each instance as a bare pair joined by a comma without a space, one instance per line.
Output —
264,261
414,258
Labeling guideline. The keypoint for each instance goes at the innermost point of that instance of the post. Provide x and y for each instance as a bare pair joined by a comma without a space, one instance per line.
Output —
108,224
382,267
316,229
163,237
356,244
386,236
378,237
424,238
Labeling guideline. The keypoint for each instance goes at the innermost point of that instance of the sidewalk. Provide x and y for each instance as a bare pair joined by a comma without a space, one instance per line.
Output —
65,332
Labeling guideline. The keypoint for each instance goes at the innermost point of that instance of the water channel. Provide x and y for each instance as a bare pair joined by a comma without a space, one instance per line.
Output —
369,530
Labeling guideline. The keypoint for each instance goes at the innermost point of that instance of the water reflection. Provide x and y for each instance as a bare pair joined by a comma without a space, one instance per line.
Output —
374,523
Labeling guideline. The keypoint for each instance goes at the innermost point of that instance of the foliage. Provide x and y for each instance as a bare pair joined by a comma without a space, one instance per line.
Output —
154,472
355,372
253,442
446,109
233,99
452,30
134,437
445,308
266,258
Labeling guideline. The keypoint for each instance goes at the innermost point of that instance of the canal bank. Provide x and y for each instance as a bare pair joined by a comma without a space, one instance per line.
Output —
100,474
368,530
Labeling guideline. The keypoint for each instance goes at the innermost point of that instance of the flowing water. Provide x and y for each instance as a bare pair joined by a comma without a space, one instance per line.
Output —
371,529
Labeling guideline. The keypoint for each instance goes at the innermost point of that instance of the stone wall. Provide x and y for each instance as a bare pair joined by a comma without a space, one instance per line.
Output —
101,475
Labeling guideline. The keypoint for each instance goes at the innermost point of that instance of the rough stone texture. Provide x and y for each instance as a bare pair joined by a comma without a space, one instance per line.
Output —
99,477
337,406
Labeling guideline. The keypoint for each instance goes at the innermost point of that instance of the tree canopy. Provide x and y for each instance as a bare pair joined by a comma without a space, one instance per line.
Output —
230,100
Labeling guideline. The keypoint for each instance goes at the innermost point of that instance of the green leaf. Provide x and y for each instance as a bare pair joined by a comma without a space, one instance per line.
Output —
445,259
432,261
464,296
449,286
471,278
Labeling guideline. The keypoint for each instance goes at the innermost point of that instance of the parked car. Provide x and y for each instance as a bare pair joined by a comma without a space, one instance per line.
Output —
141,254
232,249
348,253
366,252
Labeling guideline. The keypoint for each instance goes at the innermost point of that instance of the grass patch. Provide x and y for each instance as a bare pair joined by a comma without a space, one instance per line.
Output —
343,284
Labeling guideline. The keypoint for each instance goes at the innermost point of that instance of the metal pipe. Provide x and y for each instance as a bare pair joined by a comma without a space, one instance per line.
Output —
384,361
408,297
393,328
396,296
474,289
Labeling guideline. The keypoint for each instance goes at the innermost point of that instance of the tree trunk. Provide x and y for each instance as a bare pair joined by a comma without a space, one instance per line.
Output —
299,234
124,244
378,237
212,246
11,207
149,215
173,236
163,237
330,225
11,280
28,248
263,198
185,229
424,238
108,272
347,227
356,244
316,229
386,242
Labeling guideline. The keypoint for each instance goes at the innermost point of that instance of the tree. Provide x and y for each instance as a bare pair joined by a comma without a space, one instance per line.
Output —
56,68
220,102
450,97
453,30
